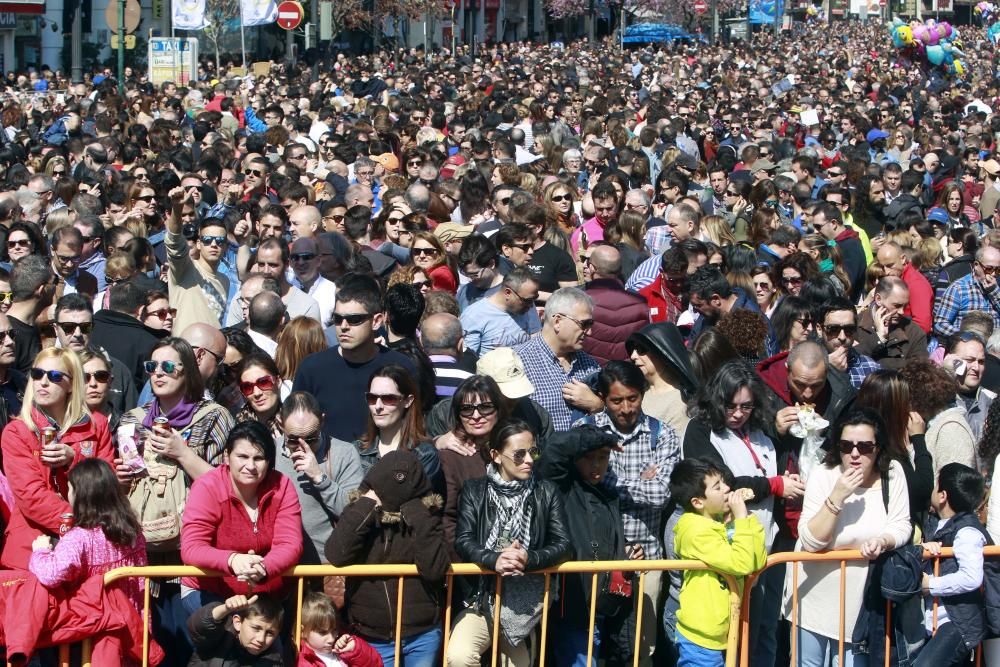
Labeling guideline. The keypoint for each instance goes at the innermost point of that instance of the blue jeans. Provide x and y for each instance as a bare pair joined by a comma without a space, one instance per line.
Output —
570,644
690,654
944,649
416,650
815,650
765,615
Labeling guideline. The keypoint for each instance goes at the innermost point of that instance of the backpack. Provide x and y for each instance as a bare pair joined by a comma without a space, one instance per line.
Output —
158,496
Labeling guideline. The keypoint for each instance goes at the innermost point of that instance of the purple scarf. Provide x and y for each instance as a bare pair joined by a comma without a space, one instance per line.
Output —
179,416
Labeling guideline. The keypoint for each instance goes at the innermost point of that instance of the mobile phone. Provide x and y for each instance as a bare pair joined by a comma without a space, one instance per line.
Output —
960,367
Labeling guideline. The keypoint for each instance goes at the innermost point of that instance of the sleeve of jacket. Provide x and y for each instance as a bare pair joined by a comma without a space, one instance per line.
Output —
439,418
345,476
472,335
363,655
698,444
62,563
745,554
948,310
253,123
557,545
921,484
431,463
431,553
346,545
466,542
286,542
28,479
922,304
201,523
205,631
105,449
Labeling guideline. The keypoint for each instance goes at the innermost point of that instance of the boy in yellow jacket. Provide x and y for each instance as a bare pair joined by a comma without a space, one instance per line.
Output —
736,548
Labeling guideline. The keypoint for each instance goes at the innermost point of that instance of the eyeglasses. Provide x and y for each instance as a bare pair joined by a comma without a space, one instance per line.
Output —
253,172
364,174
55,377
213,240
430,252
168,367
303,257
388,400
264,383
585,325
415,163
864,447
791,280
473,275
102,377
518,456
19,243
833,330
71,327
354,319
745,408
555,199
484,409
162,313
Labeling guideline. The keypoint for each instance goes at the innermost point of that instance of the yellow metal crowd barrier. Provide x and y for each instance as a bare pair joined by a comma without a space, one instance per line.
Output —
738,649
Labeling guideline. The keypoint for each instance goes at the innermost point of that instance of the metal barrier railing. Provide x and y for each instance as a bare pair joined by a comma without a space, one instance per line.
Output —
302,572
795,559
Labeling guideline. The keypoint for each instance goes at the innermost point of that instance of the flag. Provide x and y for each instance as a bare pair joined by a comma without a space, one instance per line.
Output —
259,12
189,14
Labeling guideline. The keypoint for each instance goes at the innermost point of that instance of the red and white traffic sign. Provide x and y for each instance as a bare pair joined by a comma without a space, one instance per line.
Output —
290,14
700,6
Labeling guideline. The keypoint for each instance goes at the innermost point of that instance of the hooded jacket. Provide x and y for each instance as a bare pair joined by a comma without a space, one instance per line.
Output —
855,263
900,205
703,615
216,525
40,491
665,341
405,529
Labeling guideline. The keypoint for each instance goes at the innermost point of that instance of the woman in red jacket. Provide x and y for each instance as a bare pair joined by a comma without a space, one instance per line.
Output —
244,519
428,253
55,398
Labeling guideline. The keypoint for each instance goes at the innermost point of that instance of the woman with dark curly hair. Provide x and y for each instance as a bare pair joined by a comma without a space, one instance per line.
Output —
793,322
747,331
794,271
932,396
989,450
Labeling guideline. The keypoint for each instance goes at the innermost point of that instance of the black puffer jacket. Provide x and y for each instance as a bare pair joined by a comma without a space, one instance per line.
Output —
405,529
549,544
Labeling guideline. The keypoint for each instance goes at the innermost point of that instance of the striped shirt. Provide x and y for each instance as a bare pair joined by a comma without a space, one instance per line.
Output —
448,374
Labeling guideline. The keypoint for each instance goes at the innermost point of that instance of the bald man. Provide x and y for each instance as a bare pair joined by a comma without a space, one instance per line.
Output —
266,316
617,313
304,222
895,263
209,348
442,339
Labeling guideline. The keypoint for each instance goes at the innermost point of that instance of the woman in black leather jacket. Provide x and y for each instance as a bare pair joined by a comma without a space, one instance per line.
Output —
511,523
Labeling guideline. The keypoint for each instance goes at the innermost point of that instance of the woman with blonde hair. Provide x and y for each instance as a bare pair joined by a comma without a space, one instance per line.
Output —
410,274
559,200
301,337
628,235
57,166
718,230
119,268
140,206
57,219
54,431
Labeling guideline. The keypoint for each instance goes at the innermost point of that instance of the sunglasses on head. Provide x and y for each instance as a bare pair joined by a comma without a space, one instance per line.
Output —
54,376
264,383
484,409
353,319
168,367
103,377
388,400
864,447
213,240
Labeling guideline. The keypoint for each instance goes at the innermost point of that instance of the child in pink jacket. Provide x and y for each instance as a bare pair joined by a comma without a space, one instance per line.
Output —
323,645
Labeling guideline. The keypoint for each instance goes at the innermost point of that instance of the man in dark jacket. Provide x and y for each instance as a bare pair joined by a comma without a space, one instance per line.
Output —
884,333
911,187
828,221
238,631
119,331
712,296
617,313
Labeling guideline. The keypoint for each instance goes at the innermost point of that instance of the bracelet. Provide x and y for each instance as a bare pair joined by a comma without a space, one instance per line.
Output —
830,505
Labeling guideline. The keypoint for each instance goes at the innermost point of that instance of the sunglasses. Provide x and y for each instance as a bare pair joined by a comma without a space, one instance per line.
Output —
523,247
7,333
253,172
558,198
430,252
264,383
71,327
353,319
114,281
835,329
987,269
146,198
68,259
137,175
162,313
310,440
864,447
303,257
103,377
168,367
20,243
213,240
763,285
55,377
795,280
484,409
519,456
388,400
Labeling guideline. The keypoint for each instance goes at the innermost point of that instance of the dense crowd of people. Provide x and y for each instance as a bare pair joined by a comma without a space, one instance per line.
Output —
536,304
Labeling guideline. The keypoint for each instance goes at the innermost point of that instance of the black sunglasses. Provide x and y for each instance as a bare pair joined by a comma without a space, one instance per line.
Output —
353,319
55,377
102,377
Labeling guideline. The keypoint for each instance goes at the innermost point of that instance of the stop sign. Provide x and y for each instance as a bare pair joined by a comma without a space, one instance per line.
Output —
290,14
700,6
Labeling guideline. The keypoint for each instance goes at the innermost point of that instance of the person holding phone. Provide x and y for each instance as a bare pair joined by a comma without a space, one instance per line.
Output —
884,333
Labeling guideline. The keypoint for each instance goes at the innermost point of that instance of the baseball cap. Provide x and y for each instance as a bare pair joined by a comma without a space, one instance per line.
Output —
875,135
388,161
451,231
991,167
762,165
503,365
938,215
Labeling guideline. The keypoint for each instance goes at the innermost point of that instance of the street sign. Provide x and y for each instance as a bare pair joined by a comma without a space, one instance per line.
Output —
129,41
700,6
172,59
132,11
290,14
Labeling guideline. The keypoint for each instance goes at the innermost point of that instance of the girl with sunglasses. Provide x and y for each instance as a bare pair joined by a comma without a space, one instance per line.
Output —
260,385
856,500
37,461
511,523
395,421
429,255
97,377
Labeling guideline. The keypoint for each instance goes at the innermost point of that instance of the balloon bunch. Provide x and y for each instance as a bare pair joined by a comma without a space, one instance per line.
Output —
984,11
930,44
